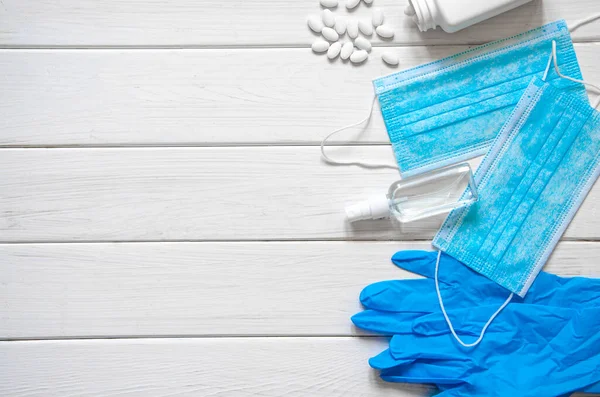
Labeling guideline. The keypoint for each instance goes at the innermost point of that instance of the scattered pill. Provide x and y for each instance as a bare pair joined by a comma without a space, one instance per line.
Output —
377,17
385,31
409,11
362,44
340,26
329,3
330,34
320,46
357,51
347,50
365,28
352,28
334,50
350,4
390,58
359,56
328,18
315,24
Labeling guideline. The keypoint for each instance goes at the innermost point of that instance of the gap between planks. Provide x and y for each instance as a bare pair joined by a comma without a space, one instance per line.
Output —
260,241
183,336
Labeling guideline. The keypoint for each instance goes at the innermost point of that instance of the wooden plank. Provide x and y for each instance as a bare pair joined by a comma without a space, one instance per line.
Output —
240,367
240,22
228,367
203,289
197,97
203,194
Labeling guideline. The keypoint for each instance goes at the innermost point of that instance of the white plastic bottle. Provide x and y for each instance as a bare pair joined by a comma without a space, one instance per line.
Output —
420,196
454,15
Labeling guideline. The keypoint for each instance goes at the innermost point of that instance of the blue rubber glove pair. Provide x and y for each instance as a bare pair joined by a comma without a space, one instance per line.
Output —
546,344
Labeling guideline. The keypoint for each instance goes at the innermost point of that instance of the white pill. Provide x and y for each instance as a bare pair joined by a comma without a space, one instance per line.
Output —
350,4
377,17
329,3
385,31
409,11
328,18
352,28
368,1
359,56
363,44
390,58
334,50
347,50
365,28
330,34
315,24
320,46
340,26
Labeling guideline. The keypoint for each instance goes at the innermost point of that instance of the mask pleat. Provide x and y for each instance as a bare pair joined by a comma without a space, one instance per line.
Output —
451,110
494,209
530,187
548,210
537,173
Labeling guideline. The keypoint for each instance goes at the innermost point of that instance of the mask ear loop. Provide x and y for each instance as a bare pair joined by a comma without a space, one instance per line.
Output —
553,59
584,21
357,163
449,322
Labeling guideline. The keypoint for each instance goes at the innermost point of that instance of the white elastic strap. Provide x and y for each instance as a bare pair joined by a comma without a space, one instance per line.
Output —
554,59
584,21
485,327
547,67
358,163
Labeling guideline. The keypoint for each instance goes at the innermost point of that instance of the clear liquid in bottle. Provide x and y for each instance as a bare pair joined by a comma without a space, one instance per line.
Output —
422,196
436,192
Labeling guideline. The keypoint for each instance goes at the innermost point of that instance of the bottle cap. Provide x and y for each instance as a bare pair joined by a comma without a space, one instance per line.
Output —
376,207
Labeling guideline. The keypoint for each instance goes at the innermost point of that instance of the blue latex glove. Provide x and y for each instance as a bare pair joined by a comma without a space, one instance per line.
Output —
529,351
392,305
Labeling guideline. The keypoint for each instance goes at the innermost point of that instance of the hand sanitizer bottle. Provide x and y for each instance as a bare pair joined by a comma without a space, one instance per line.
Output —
454,15
420,196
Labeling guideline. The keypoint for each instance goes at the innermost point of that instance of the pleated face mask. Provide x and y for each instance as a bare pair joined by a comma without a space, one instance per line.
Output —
451,110
531,183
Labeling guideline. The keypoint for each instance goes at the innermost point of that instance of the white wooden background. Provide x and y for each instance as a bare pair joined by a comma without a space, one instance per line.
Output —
166,225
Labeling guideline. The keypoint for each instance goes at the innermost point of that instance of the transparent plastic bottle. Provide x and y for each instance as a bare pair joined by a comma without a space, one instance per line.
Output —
433,193
454,15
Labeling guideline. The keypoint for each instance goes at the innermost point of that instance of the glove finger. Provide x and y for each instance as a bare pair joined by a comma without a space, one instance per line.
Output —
420,380
420,296
511,319
415,261
551,290
595,388
423,263
413,347
385,361
455,392
435,324
401,296
440,373
385,323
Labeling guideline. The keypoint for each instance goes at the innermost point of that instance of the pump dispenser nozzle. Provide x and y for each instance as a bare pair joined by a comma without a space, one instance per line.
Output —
376,207
421,196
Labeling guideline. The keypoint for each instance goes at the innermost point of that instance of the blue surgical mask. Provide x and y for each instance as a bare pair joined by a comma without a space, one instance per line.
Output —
531,183
451,110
